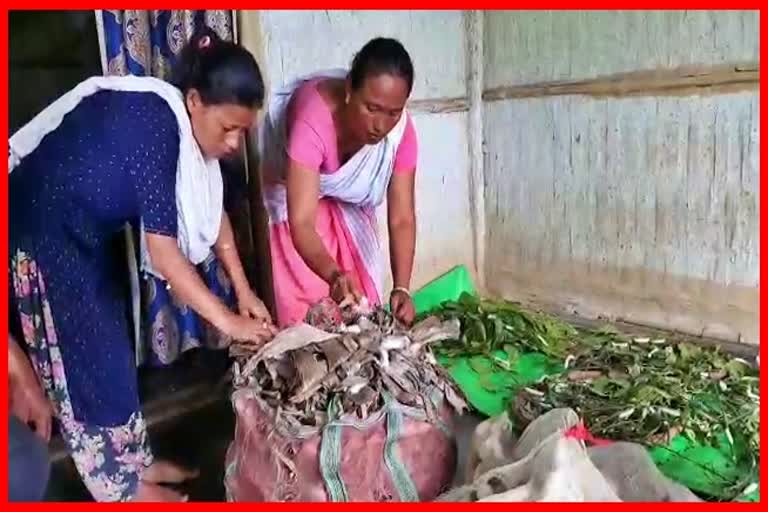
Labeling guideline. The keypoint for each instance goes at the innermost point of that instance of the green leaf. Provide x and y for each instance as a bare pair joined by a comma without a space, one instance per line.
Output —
688,351
620,383
482,364
736,369
513,354
600,386
654,377
487,384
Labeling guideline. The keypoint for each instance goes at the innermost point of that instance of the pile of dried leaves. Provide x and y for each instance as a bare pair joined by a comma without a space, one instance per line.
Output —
355,363
639,390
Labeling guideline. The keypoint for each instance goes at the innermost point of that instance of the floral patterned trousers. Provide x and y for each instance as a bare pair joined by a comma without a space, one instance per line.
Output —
110,460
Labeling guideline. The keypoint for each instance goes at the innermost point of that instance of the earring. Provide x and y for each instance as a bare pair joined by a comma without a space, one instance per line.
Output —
346,99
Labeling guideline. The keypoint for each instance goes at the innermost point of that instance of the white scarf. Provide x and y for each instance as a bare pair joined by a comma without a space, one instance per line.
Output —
199,186
360,185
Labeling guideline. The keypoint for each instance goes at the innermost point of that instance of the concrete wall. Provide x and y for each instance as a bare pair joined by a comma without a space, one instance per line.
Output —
292,43
636,208
539,46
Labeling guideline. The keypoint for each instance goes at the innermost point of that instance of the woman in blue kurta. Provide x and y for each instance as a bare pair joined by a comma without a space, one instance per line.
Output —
119,150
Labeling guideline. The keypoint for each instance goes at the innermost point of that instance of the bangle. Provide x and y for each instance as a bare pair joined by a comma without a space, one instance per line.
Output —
401,289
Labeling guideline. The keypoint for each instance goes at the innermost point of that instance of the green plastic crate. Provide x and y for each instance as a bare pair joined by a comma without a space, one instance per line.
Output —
448,286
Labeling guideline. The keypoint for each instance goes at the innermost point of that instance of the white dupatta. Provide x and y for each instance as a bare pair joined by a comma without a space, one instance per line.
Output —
359,186
199,186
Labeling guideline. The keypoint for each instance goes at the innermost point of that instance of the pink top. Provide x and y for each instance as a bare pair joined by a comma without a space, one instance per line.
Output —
312,135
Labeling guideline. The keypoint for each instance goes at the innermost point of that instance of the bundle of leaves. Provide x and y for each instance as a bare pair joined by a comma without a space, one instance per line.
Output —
648,391
488,326
641,390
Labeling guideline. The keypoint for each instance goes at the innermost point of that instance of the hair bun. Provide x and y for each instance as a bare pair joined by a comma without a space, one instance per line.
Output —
204,42
204,39
220,71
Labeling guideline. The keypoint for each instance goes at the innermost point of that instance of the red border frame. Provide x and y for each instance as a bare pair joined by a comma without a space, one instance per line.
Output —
338,4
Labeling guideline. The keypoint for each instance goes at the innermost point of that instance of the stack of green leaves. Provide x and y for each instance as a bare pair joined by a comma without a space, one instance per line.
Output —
649,392
488,326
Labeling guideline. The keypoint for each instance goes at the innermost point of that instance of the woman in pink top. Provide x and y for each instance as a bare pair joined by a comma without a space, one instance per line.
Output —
334,146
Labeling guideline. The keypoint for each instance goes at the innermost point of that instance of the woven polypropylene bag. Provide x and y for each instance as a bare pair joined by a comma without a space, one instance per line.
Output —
394,455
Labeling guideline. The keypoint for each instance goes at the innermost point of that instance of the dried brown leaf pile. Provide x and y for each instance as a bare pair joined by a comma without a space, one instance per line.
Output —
356,364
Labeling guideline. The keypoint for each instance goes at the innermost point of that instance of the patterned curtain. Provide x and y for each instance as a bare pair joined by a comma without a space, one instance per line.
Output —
145,42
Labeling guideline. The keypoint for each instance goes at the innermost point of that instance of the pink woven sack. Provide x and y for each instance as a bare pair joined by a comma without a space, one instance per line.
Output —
393,455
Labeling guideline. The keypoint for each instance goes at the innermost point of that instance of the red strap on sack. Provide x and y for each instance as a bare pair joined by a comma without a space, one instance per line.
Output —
581,433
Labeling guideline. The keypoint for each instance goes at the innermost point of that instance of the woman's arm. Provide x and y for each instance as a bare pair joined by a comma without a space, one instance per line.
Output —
402,242
226,251
303,186
310,131
401,217
156,193
190,289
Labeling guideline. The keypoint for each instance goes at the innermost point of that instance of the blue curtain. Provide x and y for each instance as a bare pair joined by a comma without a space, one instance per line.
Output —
142,42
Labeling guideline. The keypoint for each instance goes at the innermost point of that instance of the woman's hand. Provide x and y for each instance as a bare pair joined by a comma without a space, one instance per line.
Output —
30,405
27,401
190,289
249,330
402,306
343,289
249,305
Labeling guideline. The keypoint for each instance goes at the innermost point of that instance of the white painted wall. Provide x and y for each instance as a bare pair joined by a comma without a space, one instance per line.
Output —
293,43
643,209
